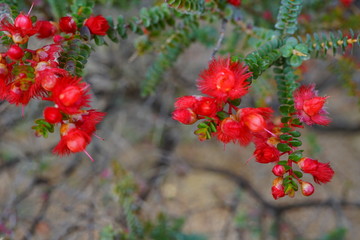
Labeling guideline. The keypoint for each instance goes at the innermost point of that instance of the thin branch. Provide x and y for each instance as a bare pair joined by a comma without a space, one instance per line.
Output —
221,38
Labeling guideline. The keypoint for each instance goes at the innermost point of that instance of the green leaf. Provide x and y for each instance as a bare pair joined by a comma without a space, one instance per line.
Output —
296,156
283,163
295,61
285,119
298,174
285,137
283,147
285,129
284,109
222,115
291,41
286,51
99,40
295,133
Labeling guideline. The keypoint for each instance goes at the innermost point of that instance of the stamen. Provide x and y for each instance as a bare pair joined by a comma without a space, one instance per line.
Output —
252,157
87,154
32,5
272,134
98,137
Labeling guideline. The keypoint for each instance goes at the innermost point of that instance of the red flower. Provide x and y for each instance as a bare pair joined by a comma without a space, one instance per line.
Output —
254,118
23,87
266,153
346,3
72,140
88,120
206,106
229,130
45,29
234,2
185,115
309,107
52,115
278,189
322,172
307,188
21,30
187,101
67,25
70,94
224,79
97,25
49,53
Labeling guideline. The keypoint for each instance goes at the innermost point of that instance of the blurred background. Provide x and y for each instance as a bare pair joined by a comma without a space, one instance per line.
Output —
151,171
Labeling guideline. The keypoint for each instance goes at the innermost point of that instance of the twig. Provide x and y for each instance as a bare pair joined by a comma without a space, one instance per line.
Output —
221,38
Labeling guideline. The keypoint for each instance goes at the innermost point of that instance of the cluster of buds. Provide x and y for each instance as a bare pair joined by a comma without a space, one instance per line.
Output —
225,83
27,74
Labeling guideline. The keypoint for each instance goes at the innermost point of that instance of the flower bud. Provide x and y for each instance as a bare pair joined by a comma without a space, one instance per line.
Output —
67,24
15,52
206,107
255,122
307,188
3,70
97,25
278,170
185,116
235,3
52,115
48,81
23,22
266,153
70,95
45,29
278,189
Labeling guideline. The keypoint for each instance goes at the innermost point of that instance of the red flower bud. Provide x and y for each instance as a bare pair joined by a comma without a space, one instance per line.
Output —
278,170
346,3
97,25
67,24
278,189
266,153
45,29
70,95
307,188
185,116
234,2
206,106
3,70
23,22
15,52
255,122
52,115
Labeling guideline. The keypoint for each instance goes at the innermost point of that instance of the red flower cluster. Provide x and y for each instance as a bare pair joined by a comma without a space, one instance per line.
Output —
26,74
225,82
